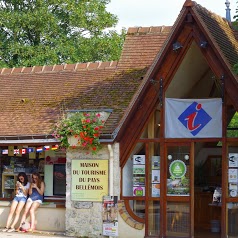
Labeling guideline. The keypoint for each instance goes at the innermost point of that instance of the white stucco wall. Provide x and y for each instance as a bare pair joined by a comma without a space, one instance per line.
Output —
126,231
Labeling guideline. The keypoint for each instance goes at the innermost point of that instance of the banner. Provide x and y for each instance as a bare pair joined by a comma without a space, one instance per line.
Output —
89,180
110,216
193,118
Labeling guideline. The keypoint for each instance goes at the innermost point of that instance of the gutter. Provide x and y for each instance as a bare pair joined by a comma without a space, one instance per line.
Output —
41,139
28,141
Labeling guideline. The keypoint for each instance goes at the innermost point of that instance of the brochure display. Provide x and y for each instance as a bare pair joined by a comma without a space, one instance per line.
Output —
138,175
155,176
233,175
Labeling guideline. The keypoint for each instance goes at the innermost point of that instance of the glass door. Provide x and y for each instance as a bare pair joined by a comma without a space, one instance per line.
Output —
179,176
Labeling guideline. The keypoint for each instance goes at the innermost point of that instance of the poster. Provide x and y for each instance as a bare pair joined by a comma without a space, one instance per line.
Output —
139,181
233,189
155,190
177,183
138,159
155,176
233,160
232,175
155,162
110,216
89,180
139,191
138,169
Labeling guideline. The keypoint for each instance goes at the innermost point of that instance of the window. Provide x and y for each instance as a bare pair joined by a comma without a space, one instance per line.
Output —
45,159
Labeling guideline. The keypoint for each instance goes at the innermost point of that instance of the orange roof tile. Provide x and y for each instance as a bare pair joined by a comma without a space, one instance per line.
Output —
141,46
31,99
221,33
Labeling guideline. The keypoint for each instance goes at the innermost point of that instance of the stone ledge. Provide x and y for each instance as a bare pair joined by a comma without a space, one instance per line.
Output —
127,218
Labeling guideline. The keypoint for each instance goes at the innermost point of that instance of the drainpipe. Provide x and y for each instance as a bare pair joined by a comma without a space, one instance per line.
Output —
111,170
228,11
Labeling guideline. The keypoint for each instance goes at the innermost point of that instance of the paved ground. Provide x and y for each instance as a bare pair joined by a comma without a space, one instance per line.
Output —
31,235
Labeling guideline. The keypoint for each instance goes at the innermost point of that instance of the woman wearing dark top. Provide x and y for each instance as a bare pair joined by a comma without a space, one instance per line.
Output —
36,192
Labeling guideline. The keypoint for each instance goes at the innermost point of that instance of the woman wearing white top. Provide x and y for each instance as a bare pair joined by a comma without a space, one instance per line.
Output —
22,187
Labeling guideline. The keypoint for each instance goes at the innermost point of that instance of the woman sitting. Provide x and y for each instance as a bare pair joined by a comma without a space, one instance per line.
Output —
36,192
22,187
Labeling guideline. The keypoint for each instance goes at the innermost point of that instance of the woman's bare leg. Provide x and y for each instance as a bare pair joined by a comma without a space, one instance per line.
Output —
33,209
27,208
17,213
11,212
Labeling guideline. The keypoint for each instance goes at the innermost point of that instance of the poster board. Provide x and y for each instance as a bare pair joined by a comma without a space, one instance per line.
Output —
110,216
89,179
138,175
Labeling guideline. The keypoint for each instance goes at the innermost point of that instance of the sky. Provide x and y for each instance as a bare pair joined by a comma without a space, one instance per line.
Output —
133,13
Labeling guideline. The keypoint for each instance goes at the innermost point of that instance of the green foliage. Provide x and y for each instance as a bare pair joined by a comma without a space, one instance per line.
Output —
85,127
41,32
232,129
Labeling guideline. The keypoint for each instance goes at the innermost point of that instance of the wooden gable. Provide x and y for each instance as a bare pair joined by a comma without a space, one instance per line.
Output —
208,45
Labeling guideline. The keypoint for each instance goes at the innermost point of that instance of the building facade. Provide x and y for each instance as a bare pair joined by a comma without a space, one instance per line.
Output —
169,162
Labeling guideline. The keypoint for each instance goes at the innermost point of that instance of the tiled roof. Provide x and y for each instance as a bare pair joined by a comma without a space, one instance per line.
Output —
142,45
37,95
31,99
221,32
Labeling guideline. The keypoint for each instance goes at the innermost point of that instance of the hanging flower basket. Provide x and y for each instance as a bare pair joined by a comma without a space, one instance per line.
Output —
80,129
73,141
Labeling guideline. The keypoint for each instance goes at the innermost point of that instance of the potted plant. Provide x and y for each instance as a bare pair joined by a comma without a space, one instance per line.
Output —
83,127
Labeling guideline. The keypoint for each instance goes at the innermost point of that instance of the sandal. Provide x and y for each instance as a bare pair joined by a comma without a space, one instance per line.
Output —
5,229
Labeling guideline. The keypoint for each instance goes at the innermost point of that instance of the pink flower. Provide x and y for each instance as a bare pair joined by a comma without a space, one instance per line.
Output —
84,144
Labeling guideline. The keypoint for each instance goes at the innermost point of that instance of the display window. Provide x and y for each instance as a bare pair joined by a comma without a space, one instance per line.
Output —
48,160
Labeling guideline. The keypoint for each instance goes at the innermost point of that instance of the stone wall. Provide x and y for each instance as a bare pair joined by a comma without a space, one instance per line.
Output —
85,218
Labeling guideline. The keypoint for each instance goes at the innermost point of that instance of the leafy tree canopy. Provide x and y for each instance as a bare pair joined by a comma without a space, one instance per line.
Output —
43,32
232,130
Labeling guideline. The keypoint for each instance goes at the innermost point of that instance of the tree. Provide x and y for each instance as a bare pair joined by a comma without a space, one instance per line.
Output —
232,129
43,32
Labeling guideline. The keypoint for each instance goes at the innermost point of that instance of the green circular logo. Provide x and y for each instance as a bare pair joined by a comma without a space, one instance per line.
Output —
177,169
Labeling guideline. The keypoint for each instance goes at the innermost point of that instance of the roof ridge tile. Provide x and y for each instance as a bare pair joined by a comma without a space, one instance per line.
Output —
60,68
148,30
189,3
